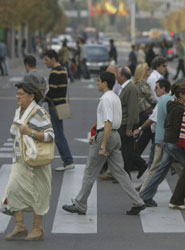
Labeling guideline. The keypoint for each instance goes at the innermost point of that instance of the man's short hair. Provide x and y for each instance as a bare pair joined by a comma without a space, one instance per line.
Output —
51,53
163,83
108,77
30,60
157,61
125,72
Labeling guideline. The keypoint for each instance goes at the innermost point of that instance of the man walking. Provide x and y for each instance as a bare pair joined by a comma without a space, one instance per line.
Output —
181,57
3,59
57,95
130,115
112,51
32,75
105,146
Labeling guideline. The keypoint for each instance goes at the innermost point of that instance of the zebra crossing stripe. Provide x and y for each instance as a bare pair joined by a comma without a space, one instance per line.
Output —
6,149
4,175
72,223
8,144
161,219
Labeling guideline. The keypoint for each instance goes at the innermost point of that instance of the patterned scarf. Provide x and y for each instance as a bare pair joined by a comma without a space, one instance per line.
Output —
181,141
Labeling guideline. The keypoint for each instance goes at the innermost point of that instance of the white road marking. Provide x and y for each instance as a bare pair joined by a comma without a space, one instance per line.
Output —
6,149
86,140
5,155
161,219
10,139
9,155
16,79
72,223
90,86
4,175
74,156
6,144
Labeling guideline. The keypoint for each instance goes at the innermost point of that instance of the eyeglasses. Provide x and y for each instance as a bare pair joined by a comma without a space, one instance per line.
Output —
20,94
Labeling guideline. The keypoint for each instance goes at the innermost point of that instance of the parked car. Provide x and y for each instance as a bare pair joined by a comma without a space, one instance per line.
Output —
97,57
55,44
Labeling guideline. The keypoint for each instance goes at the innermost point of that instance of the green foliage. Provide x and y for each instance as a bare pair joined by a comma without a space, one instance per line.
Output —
39,15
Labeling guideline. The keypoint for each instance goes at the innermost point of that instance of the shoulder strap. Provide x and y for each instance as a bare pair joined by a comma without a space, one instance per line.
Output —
34,110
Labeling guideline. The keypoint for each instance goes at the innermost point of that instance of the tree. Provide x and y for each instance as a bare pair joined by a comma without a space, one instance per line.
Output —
39,15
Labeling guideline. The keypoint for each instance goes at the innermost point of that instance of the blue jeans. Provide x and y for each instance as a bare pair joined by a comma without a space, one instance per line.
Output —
171,152
60,139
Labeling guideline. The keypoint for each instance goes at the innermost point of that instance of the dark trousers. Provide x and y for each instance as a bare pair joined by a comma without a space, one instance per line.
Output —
84,70
127,149
179,192
143,140
1,68
180,67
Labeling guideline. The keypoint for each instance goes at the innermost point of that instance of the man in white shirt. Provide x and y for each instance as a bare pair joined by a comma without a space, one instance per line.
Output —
105,146
159,66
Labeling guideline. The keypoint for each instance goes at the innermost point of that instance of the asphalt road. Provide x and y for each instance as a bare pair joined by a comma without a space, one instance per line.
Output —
106,225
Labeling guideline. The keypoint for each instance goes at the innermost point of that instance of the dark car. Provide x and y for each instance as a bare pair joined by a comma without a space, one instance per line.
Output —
97,57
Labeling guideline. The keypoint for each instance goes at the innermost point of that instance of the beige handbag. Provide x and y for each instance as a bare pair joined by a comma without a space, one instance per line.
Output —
46,150
63,111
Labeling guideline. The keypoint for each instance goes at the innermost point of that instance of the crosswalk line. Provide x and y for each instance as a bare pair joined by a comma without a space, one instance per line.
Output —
5,155
6,149
72,223
7,144
161,219
4,175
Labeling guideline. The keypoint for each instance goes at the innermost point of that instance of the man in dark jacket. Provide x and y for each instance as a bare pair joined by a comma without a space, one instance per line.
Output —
57,94
112,51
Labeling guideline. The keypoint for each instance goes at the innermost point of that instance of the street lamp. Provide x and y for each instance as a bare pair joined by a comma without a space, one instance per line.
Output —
133,21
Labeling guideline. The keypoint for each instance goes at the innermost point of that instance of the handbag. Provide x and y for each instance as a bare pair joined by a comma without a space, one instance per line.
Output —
63,111
46,150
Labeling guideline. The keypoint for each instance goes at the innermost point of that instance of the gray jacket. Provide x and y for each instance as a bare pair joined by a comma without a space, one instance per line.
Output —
129,102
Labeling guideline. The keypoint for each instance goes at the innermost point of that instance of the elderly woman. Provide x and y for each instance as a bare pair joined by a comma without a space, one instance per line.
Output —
146,98
29,189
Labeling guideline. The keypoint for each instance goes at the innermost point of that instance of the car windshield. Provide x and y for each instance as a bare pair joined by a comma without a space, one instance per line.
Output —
95,53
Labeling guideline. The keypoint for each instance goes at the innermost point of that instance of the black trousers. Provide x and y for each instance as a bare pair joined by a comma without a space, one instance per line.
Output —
127,149
143,140
180,67
179,192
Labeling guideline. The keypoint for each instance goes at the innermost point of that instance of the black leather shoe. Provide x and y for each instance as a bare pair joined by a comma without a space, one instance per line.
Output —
150,203
136,210
73,209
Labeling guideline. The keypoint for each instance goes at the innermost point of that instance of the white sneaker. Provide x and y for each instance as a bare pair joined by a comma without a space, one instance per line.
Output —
67,167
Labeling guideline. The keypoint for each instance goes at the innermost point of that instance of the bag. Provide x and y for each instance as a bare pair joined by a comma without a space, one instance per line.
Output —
45,156
46,150
63,111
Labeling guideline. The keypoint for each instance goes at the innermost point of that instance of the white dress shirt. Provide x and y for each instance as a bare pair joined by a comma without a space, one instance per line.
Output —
109,109
152,79
116,88
124,85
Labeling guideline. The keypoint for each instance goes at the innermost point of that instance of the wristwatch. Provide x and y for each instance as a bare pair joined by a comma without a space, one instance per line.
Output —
102,147
32,134
140,128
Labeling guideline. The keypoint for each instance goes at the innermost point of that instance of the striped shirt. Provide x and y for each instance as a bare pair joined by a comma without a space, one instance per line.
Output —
58,85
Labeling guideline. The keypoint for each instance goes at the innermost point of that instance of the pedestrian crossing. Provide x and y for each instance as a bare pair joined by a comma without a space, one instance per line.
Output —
153,220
